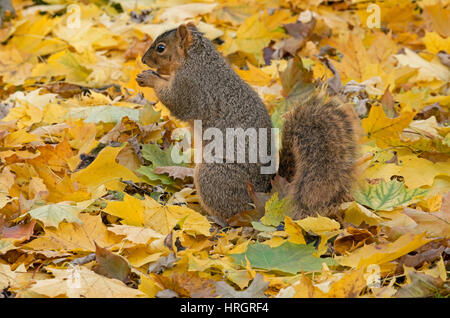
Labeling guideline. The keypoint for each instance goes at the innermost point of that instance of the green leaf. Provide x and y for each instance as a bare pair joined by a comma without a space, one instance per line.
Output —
275,210
288,257
386,196
262,228
158,157
147,171
53,214
148,115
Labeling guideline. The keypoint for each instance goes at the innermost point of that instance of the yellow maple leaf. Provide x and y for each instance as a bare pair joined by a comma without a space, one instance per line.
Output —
294,230
29,36
162,218
323,226
350,285
427,70
356,214
150,286
19,138
63,63
75,237
305,288
355,64
412,100
81,282
105,170
416,171
131,210
26,115
16,66
254,76
435,43
383,253
141,255
256,33
378,126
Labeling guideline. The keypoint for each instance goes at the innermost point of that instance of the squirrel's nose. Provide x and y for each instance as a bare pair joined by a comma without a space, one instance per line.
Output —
147,60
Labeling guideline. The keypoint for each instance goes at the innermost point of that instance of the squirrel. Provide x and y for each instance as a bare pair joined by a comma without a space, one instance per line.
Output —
318,153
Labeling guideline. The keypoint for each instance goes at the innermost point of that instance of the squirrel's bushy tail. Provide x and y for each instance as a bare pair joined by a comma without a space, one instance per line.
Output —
318,155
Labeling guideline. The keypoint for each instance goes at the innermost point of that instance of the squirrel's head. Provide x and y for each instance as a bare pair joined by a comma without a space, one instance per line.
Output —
169,50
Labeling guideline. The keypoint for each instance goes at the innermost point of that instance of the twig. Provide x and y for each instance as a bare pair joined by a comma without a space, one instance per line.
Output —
83,260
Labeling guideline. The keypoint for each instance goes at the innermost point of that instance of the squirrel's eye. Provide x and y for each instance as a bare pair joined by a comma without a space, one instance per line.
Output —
160,48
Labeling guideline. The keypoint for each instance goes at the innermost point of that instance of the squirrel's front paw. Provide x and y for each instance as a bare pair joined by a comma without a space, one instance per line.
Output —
147,78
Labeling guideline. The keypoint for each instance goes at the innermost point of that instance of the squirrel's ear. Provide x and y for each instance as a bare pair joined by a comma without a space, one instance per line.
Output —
184,36
191,26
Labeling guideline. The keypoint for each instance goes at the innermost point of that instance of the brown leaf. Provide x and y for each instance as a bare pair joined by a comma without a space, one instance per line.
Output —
435,110
176,172
352,239
300,33
388,103
334,84
20,232
187,284
258,198
65,90
444,57
244,218
111,265
295,75
421,285
280,185
138,48
123,131
420,258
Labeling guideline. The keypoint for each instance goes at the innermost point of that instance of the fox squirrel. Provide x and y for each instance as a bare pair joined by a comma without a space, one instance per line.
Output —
318,151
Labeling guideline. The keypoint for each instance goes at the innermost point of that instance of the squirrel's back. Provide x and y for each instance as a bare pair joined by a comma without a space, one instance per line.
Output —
227,100
318,155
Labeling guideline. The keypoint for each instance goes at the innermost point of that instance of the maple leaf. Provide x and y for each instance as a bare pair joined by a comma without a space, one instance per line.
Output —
104,169
255,33
382,253
135,234
82,282
163,218
288,257
428,71
131,210
74,236
387,195
111,265
379,127
255,290
275,210
54,214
